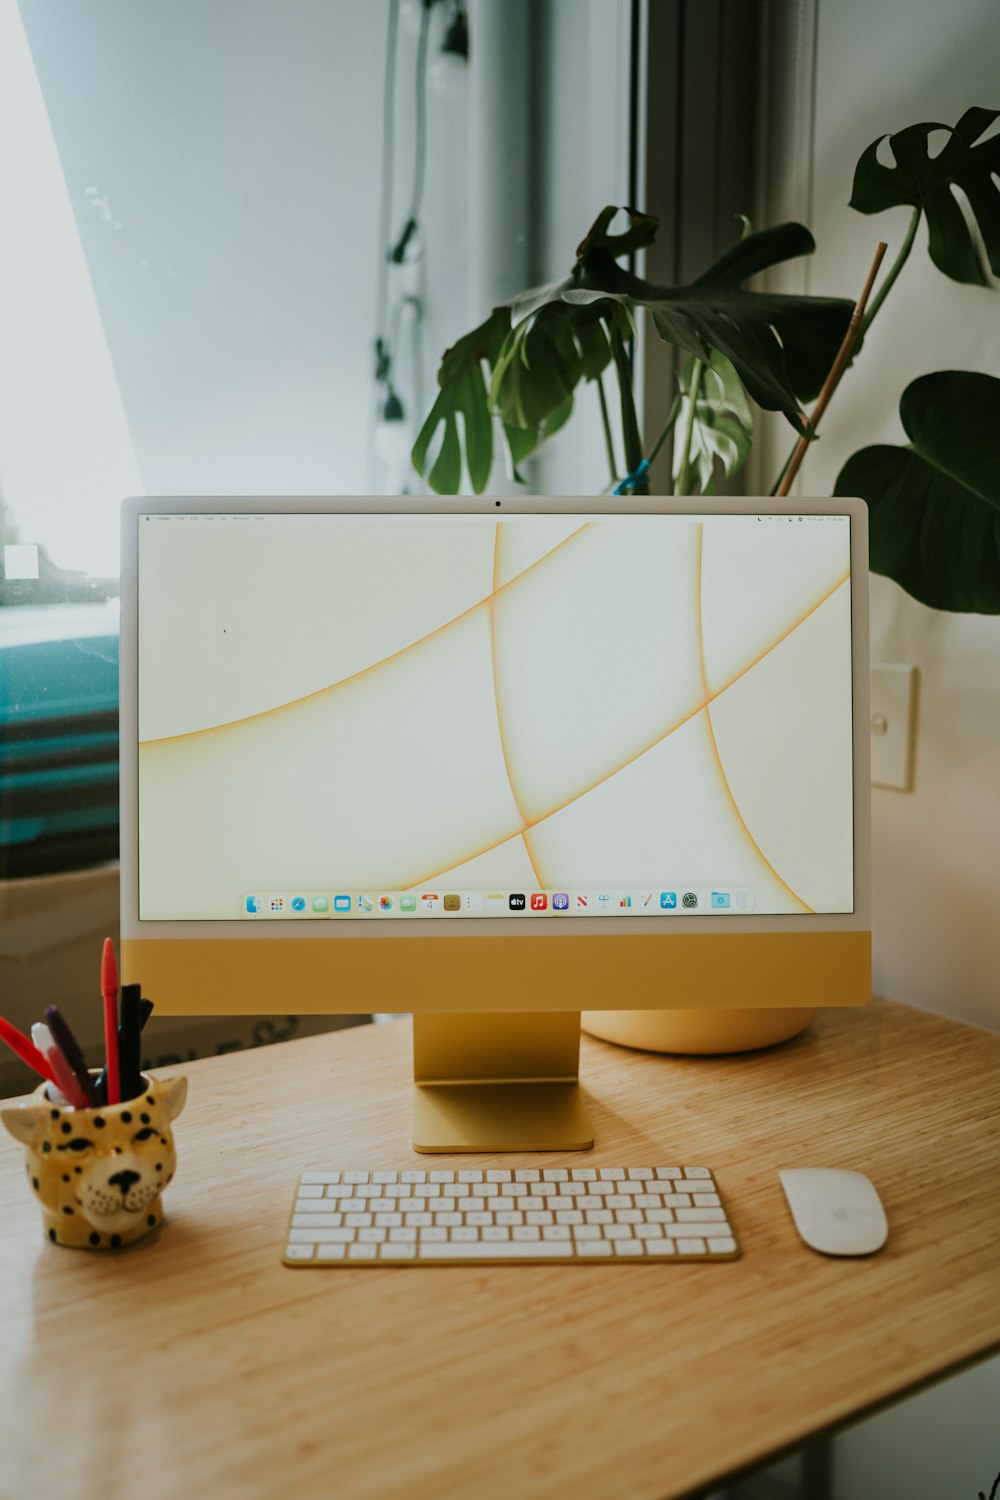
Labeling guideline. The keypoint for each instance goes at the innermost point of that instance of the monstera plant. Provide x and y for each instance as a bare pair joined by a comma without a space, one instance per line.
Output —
934,504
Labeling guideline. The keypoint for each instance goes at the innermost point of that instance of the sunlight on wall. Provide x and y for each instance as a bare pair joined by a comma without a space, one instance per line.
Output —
66,456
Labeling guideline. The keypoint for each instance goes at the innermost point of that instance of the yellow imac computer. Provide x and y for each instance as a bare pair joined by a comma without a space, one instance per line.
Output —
497,763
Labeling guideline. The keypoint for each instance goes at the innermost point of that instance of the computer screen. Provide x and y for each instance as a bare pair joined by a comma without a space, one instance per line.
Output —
566,731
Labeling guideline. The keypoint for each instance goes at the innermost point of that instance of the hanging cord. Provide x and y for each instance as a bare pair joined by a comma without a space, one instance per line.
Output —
382,358
398,254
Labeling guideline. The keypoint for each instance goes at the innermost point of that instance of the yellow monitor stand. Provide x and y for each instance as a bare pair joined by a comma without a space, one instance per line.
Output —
491,1083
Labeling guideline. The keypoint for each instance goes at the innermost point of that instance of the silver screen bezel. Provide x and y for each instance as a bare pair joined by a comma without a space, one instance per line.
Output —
549,925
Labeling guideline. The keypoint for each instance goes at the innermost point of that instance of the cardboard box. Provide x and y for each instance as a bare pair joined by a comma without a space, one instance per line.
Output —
52,930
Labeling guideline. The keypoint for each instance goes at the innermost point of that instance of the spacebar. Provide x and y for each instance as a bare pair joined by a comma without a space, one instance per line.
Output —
496,1250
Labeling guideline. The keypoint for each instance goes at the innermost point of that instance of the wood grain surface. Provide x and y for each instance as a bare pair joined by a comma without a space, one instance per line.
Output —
196,1364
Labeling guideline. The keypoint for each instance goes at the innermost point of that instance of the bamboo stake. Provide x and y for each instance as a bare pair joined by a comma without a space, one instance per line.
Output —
836,370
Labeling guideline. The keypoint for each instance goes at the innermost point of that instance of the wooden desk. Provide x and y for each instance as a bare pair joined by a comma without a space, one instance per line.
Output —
200,1365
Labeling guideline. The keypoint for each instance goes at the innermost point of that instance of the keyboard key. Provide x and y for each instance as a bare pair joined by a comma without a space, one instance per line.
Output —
330,1252
660,1247
628,1247
300,1252
306,1191
320,1177
556,1232
703,1215
722,1246
678,1231
315,1221
496,1232
414,1176
640,1174
555,1174
489,1250
372,1236
595,1249
690,1247
498,1174
583,1174
697,1172
705,1200
612,1174
471,1174
383,1177
522,1232
320,1236
362,1252
527,1174
355,1177
397,1252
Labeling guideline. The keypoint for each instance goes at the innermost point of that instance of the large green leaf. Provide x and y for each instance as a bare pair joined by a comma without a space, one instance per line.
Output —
781,346
723,422
545,342
463,392
929,182
543,360
935,505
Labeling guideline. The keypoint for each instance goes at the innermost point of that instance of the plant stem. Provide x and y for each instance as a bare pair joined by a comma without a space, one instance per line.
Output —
869,318
684,472
847,345
894,271
666,429
630,425
609,445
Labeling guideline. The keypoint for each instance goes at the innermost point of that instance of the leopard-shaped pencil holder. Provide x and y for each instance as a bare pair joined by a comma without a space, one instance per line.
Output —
98,1173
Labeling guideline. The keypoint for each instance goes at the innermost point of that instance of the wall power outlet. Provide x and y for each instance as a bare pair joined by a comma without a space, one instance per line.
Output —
893,725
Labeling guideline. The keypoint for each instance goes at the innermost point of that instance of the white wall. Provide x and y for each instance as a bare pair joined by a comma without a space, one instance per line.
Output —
843,72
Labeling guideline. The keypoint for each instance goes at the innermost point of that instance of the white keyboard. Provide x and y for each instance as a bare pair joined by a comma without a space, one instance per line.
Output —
478,1215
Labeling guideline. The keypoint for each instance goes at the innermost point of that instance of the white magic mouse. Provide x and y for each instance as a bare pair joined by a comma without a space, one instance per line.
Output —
838,1213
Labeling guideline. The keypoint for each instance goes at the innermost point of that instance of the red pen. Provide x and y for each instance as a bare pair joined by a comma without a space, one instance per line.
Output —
109,989
25,1050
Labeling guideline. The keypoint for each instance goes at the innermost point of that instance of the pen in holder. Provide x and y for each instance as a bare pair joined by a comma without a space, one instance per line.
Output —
98,1172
